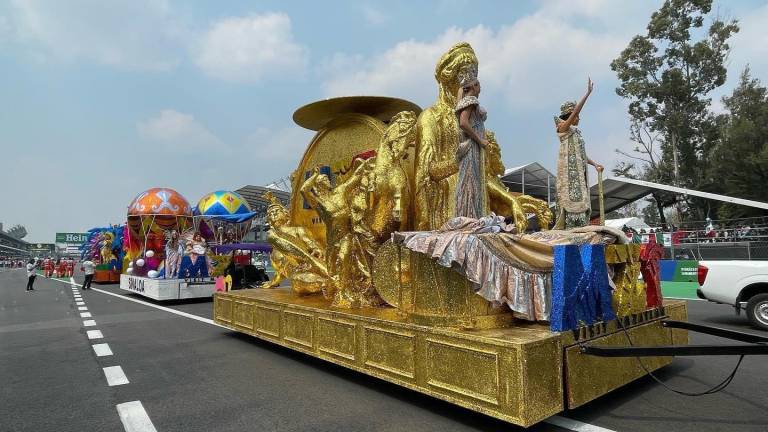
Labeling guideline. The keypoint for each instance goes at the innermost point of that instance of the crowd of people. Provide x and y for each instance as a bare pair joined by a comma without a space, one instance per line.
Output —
8,262
740,230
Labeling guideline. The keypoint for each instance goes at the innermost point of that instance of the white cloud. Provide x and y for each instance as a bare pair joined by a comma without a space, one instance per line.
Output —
247,49
177,131
138,34
527,67
530,62
284,144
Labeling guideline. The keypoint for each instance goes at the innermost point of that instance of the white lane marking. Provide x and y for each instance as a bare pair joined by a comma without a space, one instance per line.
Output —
82,308
575,425
162,308
85,315
78,298
115,376
134,417
80,303
102,350
94,334
89,323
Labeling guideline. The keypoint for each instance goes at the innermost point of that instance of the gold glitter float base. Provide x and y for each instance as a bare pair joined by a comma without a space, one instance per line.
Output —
521,374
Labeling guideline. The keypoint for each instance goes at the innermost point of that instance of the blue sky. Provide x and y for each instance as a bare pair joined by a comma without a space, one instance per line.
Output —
103,99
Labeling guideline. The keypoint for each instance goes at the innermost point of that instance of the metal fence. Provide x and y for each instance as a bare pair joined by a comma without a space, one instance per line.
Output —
742,250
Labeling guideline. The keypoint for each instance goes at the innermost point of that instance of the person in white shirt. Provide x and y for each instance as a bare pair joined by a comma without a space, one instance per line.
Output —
31,274
89,268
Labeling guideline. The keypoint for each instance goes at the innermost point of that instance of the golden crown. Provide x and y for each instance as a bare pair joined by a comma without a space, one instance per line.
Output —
273,201
467,76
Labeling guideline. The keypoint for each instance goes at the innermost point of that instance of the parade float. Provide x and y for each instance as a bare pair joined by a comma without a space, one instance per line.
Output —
223,218
104,247
175,251
482,313
157,220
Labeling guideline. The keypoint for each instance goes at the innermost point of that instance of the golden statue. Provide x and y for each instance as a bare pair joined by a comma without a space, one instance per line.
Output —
106,248
349,240
437,139
390,185
295,254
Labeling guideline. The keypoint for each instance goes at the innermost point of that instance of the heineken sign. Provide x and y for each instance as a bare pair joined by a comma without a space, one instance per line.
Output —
71,238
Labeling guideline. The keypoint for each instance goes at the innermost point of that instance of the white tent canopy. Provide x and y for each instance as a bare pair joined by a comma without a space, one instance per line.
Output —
630,222
620,191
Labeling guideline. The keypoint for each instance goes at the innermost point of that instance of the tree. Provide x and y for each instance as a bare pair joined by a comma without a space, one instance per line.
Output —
666,77
740,157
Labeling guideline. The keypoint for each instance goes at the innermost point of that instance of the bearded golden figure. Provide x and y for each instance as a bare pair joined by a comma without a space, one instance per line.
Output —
502,201
295,254
437,140
389,180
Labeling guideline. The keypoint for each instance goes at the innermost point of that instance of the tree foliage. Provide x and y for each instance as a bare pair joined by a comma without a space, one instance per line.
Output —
739,158
666,76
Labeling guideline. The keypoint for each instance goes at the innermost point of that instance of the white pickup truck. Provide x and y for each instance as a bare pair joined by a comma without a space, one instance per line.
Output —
741,284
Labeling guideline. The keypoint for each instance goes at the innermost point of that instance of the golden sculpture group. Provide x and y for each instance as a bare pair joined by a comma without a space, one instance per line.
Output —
378,166
362,210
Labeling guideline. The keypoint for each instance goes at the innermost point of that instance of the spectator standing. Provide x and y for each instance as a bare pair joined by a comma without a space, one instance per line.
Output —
31,274
89,268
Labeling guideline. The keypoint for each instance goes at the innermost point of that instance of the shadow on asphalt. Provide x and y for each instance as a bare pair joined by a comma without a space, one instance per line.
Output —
740,322
167,302
444,409
607,405
604,406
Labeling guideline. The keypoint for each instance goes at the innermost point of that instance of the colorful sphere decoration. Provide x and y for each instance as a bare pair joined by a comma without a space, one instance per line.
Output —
159,202
222,203
161,208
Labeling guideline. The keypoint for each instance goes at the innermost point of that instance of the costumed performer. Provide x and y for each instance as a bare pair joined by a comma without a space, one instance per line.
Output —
194,264
173,253
573,201
471,195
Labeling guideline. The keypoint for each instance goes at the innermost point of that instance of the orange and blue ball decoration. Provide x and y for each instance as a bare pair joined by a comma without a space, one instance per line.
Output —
160,209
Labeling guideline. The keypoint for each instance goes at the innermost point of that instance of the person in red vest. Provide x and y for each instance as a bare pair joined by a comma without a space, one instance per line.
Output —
48,267
69,267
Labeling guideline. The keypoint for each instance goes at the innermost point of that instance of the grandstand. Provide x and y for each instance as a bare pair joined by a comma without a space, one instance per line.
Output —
11,244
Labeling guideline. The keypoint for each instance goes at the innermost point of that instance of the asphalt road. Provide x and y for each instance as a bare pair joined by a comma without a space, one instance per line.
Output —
190,375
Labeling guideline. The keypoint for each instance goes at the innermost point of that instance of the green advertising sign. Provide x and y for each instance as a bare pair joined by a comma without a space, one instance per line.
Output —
71,238
686,271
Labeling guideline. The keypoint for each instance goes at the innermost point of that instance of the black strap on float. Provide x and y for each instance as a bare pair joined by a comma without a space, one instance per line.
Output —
754,345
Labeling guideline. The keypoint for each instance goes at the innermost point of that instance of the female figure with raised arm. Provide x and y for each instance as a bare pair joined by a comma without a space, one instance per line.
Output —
471,195
573,203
